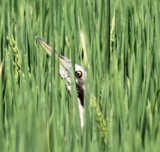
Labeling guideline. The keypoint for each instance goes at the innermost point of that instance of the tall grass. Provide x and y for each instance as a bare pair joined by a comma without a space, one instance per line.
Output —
116,41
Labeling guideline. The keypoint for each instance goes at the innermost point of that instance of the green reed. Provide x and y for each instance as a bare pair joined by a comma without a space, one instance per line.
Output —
118,44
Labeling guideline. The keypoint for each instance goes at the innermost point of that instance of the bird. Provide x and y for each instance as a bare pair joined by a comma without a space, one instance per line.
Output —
65,70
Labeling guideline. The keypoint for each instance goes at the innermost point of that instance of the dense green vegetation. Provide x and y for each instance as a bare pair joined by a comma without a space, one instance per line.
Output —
118,42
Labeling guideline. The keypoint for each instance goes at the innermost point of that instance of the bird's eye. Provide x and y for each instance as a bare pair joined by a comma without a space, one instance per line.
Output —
78,74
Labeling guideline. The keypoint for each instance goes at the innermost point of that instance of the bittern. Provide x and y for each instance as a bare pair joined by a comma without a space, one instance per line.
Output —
65,69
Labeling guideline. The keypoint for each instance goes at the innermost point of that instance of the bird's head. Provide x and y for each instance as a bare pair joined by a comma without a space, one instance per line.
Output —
65,71
80,76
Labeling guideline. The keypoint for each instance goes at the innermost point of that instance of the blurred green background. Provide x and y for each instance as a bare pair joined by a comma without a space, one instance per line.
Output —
118,42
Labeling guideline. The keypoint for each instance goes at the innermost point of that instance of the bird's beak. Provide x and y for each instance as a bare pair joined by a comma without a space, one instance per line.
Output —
65,63
45,46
